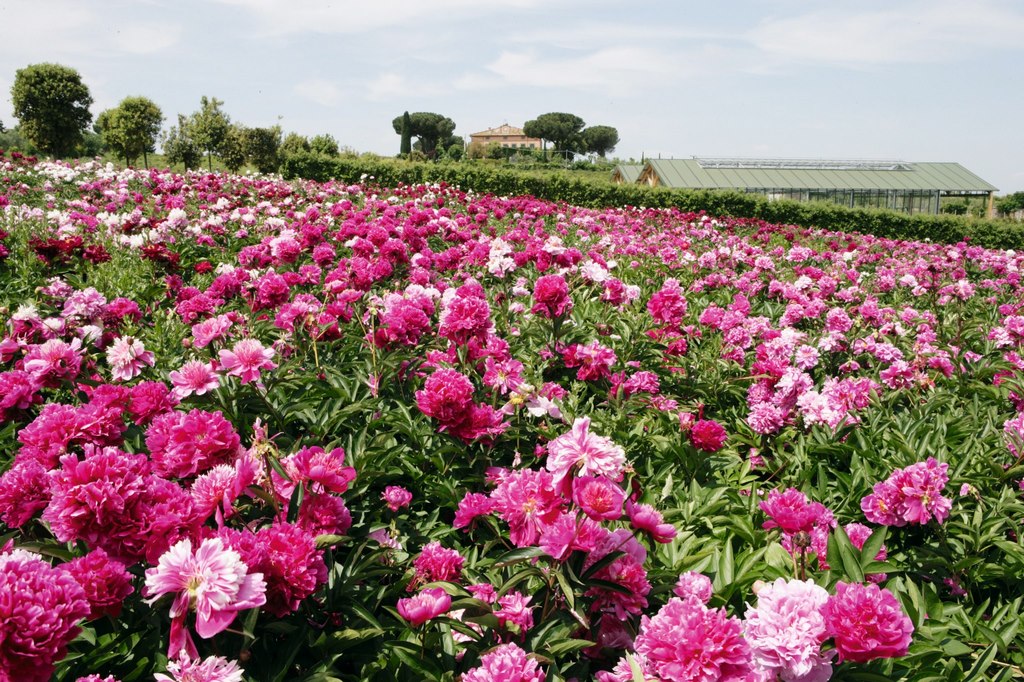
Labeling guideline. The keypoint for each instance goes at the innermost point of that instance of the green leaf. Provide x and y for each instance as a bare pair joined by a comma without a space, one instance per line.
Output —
518,555
982,664
872,546
849,557
566,646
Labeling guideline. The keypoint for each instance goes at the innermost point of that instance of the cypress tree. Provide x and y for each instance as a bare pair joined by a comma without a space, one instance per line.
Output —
406,147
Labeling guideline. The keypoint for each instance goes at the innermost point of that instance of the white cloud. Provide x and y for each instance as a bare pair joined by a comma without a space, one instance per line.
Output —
146,38
392,85
617,70
320,91
278,17
935,31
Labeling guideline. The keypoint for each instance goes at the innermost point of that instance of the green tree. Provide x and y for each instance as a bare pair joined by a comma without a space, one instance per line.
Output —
1011,203
560,129
52,104
179,147
406,146
600,139
323,144
130,130
294,144
428,127
262,148
232,148
209,126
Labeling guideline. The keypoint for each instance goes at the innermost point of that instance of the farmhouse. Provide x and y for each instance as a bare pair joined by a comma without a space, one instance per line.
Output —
506,136
910,187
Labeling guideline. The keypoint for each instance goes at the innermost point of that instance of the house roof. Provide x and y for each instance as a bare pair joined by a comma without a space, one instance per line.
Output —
784,174
503,129
629,172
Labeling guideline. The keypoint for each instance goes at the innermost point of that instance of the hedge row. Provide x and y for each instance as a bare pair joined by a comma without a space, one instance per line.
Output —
560,186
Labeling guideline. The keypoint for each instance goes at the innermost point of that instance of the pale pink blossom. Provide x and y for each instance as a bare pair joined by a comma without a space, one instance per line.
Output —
213,581
245,360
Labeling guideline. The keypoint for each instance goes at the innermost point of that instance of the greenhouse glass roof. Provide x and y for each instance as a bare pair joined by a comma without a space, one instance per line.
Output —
786,174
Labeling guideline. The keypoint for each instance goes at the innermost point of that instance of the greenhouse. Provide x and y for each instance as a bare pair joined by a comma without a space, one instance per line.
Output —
910,187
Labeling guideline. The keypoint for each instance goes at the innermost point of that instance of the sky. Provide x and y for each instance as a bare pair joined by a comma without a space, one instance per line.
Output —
910,80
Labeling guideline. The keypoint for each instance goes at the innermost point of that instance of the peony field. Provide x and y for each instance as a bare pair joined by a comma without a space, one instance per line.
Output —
268,431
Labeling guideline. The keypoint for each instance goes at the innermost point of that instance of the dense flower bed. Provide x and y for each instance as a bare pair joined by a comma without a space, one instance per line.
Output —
272,431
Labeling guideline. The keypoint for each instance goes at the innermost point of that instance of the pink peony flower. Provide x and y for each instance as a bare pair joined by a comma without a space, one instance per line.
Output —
786,630
436,563
184,444
592,454
506,663
54,361
790,511
707,435
213,581
446,396
646,518
668,306
599,498
126,357
686,640
245,360
514,610
425,605
693,584
396,497
471,506
866,623
910,495
323,471
40,607
105,581
210,669
210,330
194,378
527,501
551,297
286,555
24,491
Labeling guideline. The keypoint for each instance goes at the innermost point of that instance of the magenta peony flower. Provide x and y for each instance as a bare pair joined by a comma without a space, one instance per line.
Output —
790,511
446,396
910,495
646,518
396,497
668,306
786,630
866,623
19,390
527,501
324,471
437,563
465,316
551,297
213,581
686,640
184,444
210,669
514,610
40,607
53,361
506,663
148,400
425,605
599,498
245,360
593,454
286,555
105,581
24,491
471,506
707,435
